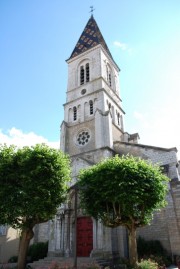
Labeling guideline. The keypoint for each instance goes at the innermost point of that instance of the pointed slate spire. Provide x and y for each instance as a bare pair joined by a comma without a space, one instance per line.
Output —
90,37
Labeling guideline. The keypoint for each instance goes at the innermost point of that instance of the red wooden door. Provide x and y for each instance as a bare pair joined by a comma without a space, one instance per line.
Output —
84,236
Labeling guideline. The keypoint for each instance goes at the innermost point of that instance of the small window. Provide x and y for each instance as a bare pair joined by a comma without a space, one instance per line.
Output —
91,107
110,79
165,169
108,75
87,72
82,75
74,113
118,119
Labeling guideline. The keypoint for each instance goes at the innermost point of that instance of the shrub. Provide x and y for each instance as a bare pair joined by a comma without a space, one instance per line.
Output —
38,251
154,250
147,264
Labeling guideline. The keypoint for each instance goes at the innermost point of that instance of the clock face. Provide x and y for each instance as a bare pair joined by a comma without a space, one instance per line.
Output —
83,137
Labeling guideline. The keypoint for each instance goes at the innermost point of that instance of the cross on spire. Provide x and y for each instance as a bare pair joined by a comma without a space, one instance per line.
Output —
92,9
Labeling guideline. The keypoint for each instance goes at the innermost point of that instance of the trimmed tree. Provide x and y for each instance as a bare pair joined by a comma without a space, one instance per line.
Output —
123,192
33,184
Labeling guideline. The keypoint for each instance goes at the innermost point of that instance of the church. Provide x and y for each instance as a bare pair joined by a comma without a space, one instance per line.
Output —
93,129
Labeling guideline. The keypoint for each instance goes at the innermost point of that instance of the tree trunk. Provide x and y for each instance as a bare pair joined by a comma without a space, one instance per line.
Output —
26,236
132,245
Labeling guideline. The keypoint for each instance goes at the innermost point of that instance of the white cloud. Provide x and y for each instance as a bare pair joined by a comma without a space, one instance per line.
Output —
120,45
20,139
123,46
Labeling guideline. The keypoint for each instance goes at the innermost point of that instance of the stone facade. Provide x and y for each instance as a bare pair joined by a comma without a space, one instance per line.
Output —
165,225
9,243
92,130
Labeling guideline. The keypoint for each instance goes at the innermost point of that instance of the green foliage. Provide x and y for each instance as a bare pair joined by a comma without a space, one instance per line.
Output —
154,250
38,251
123,190
147,264
33,184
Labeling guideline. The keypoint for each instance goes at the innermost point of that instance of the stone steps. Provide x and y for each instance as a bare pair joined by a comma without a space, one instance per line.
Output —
67,263
64,263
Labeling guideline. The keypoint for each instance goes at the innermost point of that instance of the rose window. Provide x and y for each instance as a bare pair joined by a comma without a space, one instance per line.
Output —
83,138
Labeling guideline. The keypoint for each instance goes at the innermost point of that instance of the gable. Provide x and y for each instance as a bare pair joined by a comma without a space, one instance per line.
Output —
77,164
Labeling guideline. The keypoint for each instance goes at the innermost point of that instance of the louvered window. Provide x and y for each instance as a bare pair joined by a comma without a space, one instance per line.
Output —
74,113
91,107
110,79
82,75
87,72
108,74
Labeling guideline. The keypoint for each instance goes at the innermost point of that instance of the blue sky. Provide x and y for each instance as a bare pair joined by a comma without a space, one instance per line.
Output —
36,38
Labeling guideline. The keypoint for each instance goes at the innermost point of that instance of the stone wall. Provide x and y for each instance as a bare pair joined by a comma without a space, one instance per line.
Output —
165,225
41,233
9,244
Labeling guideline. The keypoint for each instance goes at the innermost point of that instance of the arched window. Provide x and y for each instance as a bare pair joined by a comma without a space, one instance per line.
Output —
118,119
84,73
74,113
91,109
108,75
70,115
87,72
110,79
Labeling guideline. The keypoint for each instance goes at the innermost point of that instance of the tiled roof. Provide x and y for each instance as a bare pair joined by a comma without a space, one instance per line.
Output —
90,37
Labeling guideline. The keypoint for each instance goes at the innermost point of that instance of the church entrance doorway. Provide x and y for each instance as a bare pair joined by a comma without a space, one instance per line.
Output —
84,236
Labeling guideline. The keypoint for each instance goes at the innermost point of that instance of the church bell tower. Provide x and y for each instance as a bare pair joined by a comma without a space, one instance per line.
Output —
93,121
93,117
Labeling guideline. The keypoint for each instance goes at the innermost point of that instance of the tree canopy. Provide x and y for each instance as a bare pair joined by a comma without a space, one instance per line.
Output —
123,191
33,184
